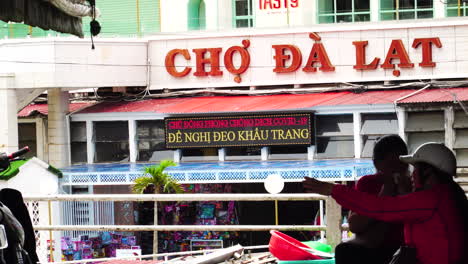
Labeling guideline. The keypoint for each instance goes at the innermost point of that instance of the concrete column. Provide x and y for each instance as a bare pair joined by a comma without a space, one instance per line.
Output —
333,218
41,139
58,137
224,15
357,135
211,14
265,152
8,114
178,155
222,154
311,152
90,146
439,9
132,141
374,11
449,131
402,115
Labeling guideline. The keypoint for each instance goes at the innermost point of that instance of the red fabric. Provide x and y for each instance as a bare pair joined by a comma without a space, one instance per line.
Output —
432,222
371,184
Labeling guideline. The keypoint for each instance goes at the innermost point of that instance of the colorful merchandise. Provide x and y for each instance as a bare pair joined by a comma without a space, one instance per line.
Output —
198,213
102,246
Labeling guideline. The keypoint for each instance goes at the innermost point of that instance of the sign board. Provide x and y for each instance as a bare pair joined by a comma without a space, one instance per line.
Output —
239,130
357,55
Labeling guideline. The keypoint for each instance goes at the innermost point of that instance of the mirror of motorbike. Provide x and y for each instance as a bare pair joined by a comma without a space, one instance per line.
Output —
3,237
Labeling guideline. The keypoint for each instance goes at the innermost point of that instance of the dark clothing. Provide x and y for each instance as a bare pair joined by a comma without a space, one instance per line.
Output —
13,199
351,253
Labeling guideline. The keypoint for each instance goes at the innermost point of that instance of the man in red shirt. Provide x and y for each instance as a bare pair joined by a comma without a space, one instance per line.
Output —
376,241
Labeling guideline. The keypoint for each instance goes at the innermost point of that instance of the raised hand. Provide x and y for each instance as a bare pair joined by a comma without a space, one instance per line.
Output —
312,185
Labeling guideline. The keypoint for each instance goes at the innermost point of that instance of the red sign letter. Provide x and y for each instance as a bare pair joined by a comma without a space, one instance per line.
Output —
169,63
213,61
281,58
397,51
318,54
426,44
245,59
277,4
361,57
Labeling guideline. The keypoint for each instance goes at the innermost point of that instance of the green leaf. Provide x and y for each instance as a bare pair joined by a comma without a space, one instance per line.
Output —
155,175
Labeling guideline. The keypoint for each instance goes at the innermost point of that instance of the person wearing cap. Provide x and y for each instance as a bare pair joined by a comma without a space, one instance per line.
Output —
375,241
435,214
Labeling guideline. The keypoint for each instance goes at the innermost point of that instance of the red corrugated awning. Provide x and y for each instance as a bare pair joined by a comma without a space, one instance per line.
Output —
217,103
368,98
213,104
43,109
438,96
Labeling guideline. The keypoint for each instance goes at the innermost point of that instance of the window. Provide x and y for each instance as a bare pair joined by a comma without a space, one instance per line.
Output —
335,137
243,13
111,139
453,8
243,153
337,11
406,9
27,137
200,154
292,152
375,126
196,15
78,142
423,127
151,141
461,138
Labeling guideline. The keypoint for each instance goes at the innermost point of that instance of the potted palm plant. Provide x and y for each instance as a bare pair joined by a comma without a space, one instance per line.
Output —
155,180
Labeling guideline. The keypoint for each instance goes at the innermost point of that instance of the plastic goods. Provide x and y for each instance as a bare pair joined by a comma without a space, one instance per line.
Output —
285,247
317,261
318,246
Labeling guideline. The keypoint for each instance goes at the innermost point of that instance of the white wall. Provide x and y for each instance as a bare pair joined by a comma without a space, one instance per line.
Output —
281,15
224,14
174,15
305,14
71,63
8,114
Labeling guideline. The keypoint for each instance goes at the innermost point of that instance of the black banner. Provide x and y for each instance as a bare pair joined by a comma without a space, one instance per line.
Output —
242,130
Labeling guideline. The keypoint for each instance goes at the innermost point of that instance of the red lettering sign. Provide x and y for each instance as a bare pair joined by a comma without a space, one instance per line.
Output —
426,44
213,61
288,58
170,65
281,58
397,51
277,4
361,57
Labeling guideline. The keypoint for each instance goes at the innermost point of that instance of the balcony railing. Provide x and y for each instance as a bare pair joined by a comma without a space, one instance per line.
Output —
47,210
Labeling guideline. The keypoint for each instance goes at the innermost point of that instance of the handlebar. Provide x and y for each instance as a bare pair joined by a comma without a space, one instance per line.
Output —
5,159
18,153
